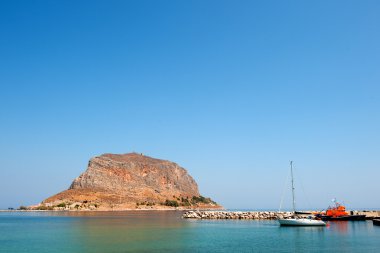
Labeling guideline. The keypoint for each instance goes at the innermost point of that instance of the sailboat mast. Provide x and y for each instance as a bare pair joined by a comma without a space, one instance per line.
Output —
294,201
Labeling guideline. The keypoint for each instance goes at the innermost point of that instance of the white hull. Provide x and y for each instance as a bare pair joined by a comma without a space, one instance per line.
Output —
301,222
298,221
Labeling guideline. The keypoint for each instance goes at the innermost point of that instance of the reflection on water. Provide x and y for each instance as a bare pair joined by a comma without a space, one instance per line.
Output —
339,226
119,232
166,231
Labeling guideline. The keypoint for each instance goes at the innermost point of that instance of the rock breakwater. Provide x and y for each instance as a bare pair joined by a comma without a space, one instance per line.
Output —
262,215
252,215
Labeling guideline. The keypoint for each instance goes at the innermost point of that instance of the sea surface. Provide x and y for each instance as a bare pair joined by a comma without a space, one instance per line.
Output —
166,231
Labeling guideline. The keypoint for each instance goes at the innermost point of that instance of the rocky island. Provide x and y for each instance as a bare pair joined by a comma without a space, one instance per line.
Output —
129,181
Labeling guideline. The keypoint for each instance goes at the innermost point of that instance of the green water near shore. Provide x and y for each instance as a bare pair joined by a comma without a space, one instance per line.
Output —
166,231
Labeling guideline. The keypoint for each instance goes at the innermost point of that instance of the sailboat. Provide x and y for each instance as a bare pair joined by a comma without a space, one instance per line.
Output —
297,221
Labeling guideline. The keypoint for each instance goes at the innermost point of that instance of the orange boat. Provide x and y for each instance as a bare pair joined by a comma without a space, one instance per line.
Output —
338,212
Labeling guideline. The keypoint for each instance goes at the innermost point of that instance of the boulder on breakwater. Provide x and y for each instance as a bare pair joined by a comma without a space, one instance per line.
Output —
254,215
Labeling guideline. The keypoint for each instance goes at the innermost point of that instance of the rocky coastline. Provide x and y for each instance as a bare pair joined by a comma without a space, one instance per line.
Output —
131,181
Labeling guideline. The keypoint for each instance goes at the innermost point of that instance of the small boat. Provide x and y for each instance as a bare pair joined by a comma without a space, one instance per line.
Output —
338,212
297,221
376,222
301,222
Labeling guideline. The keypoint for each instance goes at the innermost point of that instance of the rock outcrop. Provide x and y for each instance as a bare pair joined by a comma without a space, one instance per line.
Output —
130,181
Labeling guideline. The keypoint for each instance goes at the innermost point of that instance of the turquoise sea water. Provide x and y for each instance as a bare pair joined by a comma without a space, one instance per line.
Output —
166,231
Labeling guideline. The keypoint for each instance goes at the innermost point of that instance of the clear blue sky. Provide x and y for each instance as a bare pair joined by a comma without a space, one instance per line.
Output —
230,90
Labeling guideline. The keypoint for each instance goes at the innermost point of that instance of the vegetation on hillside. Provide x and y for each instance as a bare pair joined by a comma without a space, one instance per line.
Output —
188,202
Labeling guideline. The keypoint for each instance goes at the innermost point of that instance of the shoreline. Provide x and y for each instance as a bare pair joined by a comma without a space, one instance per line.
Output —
115,210
204,213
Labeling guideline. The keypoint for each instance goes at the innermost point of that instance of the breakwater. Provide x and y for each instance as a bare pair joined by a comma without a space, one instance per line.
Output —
252,215
259,215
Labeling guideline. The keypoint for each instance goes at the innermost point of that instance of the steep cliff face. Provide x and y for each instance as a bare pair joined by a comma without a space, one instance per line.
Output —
131,181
